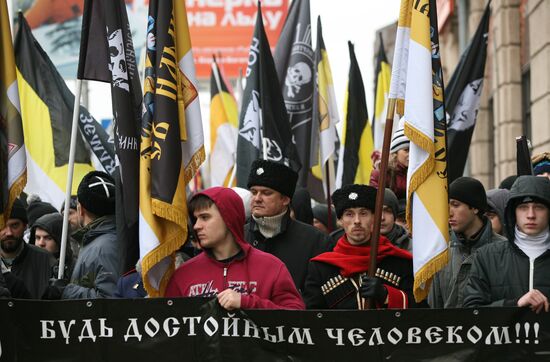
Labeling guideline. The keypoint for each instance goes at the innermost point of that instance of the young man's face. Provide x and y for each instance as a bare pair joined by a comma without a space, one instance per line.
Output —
357,223
11,236
461,216
532,218
495,221
267,202
73,219
388,220
45,241
210,227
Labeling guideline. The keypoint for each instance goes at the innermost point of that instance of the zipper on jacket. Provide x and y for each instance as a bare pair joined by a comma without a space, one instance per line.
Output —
531,272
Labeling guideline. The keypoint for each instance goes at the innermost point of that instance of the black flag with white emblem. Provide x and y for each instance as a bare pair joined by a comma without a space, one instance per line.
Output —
263,122
462,97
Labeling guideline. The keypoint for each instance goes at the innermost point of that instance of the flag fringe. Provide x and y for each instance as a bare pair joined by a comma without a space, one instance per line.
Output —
423,277
166,249
14,192
168,211
194,164
424,171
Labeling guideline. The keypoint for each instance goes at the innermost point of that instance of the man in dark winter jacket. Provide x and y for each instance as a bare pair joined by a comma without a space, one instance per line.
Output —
239,275
28,263
271,229
398,235
338,279
471,229
95,273
46,234
515,272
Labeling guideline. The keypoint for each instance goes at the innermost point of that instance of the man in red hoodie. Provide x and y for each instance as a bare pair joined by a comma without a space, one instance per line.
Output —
239,275
338,279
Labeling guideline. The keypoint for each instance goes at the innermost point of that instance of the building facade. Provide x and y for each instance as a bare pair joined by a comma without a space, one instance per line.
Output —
516,91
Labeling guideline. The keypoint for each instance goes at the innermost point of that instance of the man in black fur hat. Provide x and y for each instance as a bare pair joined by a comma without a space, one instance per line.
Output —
271,229
339,280
95,273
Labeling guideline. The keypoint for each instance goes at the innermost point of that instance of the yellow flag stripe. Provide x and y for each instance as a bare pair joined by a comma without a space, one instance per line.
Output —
420,24
39,138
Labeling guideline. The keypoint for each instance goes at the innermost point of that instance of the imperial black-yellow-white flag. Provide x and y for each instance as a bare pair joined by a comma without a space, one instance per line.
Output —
12,145
224,123
172,141
355,164
324,138
382,76
47,109
417,84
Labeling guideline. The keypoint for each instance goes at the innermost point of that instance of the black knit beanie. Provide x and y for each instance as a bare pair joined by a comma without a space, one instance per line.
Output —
273,175
18,211
469,191
37,209
96,193
350,196
390,200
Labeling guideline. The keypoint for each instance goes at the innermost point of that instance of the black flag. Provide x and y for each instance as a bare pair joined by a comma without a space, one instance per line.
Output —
462,97
263,122
107,55
294,63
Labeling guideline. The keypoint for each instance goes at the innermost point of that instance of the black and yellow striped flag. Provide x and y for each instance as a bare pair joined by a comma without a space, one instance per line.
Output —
382,77
355,164
47,109
224,124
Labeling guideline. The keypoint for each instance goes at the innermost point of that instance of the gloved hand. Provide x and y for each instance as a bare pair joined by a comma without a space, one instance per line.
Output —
373,288
55,289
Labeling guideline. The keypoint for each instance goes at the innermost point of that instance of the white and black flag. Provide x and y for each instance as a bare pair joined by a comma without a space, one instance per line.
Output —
462,98
294,63
263,122
107,55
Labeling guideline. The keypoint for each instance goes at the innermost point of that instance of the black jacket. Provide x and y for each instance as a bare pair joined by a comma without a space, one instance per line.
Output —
294,245
319,292
501,271
33,266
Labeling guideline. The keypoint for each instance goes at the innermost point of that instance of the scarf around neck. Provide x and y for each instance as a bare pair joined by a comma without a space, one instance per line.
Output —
532,246
352,259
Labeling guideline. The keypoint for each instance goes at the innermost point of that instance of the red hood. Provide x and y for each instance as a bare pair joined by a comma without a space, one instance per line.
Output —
231,207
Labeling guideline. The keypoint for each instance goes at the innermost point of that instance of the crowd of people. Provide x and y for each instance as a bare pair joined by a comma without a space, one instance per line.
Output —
267,247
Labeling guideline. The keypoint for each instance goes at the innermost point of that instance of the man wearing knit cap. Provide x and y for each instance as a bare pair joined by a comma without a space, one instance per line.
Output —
28,263
514,272
541,164
398,164
471,230
271,229
96,270
397,234
338,279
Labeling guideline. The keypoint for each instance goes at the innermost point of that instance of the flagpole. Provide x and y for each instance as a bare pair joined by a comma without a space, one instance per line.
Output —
329,201
70,171
380,192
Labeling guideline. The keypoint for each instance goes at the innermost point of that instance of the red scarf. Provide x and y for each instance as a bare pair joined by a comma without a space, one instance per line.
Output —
353,259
